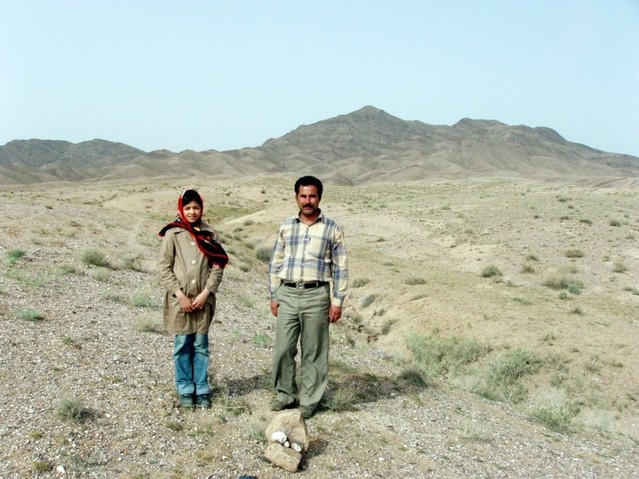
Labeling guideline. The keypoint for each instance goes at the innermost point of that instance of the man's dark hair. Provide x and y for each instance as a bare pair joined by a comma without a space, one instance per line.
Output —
309,181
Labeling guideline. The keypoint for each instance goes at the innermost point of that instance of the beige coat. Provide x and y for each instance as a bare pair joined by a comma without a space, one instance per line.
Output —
183,266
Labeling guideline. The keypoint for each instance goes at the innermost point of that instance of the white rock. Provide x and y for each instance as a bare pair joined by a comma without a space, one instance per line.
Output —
279,436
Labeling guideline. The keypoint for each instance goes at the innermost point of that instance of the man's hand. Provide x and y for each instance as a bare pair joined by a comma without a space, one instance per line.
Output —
274,307
334,313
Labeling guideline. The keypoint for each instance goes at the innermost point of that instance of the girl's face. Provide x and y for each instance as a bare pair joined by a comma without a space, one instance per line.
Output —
192,212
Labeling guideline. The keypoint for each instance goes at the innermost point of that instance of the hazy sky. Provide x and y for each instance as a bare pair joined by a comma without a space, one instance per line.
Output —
225,74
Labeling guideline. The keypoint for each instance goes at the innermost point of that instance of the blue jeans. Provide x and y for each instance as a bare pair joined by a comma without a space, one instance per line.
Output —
191,359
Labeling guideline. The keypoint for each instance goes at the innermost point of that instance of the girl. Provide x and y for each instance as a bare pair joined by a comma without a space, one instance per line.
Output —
192,262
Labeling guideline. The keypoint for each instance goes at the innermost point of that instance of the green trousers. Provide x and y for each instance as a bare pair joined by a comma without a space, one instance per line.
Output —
303,315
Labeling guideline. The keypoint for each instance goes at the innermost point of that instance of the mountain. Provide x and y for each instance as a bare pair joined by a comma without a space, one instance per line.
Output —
368,145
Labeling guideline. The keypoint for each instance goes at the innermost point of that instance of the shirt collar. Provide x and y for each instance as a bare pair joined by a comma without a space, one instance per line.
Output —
319,218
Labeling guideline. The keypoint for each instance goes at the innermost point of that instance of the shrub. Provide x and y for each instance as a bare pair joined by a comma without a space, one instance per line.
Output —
29,314
359,282
149,326
414,377
387,326
263,254
368,300
619,267
555,419
574,253
43,466
514,365
414,281
490,271
93,257
144,300
73,410
262,340
132,262
563,281
14,255
437,356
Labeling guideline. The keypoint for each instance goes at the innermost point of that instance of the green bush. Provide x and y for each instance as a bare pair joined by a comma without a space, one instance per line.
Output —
555,419
29,314
14,255
437,356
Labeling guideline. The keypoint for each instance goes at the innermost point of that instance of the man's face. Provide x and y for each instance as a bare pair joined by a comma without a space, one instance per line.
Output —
308,201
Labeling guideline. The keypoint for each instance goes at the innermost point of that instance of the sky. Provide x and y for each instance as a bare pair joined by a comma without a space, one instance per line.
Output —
229,74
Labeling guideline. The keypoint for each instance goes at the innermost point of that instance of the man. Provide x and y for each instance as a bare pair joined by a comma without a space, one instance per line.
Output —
309,254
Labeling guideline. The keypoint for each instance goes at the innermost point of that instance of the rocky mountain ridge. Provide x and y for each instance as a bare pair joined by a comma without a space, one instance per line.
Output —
368,145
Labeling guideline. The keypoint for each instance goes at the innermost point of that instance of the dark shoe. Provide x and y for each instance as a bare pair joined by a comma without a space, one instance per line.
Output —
204,401
307,412
281,405
186,401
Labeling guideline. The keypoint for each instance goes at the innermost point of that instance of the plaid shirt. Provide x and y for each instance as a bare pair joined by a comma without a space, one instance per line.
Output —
304,253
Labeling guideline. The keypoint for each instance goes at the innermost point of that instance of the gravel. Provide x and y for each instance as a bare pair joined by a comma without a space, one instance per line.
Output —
88,389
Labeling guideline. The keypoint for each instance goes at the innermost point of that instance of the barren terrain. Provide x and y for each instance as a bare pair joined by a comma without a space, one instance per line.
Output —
547,271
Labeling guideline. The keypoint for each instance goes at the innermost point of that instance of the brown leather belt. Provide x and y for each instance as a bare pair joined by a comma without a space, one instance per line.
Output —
309,285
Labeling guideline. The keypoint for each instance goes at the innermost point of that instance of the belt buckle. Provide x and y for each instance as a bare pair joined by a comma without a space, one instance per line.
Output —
300,285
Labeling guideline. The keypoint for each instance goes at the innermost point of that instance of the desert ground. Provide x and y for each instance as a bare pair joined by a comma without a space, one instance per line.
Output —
491,331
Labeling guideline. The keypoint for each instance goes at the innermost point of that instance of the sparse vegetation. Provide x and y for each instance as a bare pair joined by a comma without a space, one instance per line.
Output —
490,272
73,409
437,356
263,254
368,300
414,280
28,314
558,419
359,282
94,257
14,256
561,280
619,267
145,300
488,222
262,340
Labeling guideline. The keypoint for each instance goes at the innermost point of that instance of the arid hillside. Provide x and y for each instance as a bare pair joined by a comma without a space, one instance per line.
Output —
363,147
490,331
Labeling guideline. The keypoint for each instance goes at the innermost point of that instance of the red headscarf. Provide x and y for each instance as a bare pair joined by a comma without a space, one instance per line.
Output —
204,239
